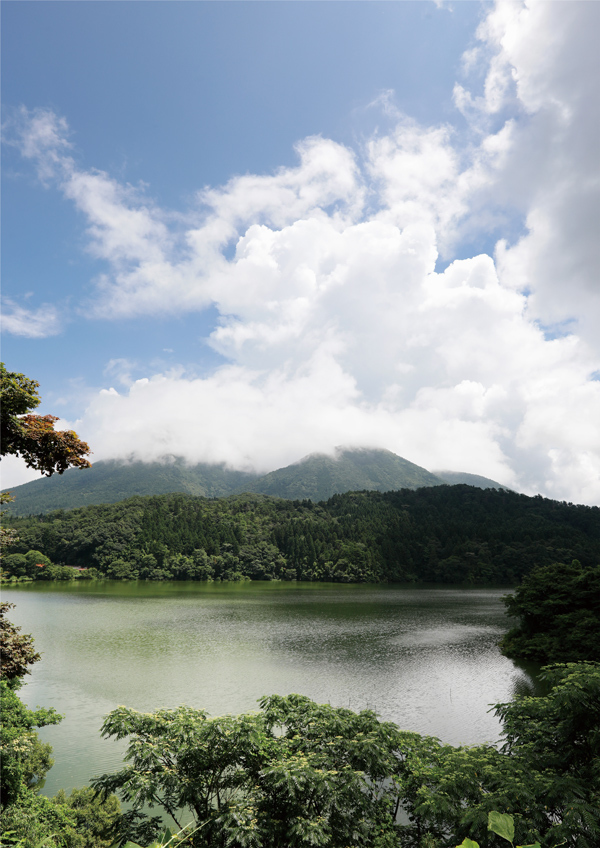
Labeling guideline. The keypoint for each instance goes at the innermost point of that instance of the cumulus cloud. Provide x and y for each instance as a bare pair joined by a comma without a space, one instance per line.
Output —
459,376
545,63
336,325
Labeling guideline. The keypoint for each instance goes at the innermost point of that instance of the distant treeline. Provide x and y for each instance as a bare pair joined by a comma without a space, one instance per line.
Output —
443,534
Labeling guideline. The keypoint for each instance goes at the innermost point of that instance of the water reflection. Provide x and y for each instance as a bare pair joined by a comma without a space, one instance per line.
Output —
425,658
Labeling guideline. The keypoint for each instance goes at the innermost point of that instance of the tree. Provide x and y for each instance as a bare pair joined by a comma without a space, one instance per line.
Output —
33,437
558,736
25,760
30,820
17,649
296,774
78,820
300,774
559,610
8,536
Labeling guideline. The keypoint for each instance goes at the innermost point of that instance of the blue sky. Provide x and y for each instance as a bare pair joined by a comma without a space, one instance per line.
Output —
183,95
246,231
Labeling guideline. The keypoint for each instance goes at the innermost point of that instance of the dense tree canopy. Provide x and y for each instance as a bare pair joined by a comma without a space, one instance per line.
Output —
444,534
31,436
300,774
17,651
558,607
25,760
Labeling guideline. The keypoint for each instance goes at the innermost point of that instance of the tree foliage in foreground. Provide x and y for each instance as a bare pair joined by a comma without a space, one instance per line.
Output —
299,774
31,436
30,820
502,824
558,607
16,649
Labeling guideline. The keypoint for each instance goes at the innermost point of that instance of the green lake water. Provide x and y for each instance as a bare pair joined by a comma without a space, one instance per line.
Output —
425,658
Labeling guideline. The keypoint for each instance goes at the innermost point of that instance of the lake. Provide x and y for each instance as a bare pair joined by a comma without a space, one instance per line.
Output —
423,657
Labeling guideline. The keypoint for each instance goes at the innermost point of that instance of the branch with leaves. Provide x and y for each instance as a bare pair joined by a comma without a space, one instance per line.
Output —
301,774
31,436
17,649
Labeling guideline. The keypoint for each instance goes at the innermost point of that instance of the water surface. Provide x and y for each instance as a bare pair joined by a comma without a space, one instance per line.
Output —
425,658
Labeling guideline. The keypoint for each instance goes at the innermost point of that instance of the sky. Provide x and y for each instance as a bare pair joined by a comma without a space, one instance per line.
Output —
244,232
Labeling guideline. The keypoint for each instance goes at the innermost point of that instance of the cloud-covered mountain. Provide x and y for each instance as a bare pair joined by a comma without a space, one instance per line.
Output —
315,477
320,476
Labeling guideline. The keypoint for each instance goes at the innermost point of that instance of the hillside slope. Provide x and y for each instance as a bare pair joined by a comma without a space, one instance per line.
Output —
319,476
112,481
457,478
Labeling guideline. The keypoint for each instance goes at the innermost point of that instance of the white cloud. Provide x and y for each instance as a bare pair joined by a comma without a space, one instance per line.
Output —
552,171
31,323
337,328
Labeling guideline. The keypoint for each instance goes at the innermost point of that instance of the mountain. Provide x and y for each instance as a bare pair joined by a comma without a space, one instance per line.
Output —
319,476
454,478
316,477
112,481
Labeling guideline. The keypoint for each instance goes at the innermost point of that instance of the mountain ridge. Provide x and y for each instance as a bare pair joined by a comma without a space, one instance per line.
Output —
315,477
455,478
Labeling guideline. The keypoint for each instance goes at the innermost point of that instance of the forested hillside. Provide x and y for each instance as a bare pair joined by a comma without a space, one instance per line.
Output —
439,534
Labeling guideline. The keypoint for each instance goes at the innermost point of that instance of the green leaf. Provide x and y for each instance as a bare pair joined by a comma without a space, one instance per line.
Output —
533,845
466,843
502,824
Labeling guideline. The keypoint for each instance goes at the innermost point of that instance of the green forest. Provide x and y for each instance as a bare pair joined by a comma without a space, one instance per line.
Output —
442,534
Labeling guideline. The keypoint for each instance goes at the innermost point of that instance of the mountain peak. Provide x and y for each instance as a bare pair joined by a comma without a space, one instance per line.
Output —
318,476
